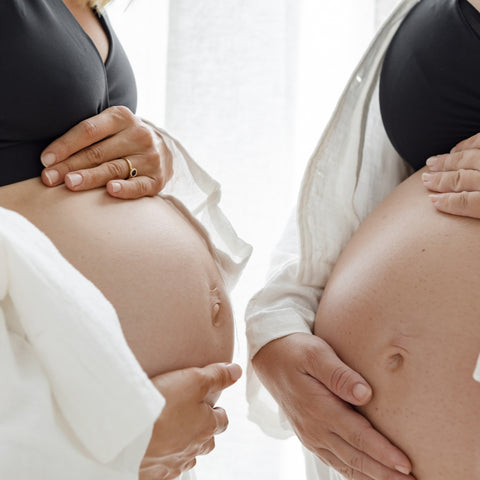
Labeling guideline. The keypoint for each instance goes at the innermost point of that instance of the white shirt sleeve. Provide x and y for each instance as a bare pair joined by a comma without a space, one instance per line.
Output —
283,306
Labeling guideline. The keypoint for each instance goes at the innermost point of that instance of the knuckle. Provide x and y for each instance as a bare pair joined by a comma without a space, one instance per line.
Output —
114,170
357,463
458,158
222,376
460,201
457,180
143,189
122,112
94,155
347,472
145,136
89,128
339,378
358,436
445,161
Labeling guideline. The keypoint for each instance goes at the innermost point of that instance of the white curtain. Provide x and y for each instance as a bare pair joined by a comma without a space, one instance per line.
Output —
247,86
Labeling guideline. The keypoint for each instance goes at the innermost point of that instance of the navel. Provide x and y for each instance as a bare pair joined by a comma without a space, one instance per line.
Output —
215,305
395,362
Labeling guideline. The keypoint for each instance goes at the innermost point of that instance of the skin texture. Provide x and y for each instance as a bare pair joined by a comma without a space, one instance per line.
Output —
401,307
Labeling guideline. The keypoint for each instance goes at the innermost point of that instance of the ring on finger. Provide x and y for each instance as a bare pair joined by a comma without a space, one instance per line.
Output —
132,171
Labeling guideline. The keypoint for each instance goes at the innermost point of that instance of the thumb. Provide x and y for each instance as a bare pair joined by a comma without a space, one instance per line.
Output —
218,376
339,378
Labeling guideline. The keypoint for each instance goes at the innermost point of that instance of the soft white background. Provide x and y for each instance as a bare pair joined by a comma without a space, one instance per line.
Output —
247,86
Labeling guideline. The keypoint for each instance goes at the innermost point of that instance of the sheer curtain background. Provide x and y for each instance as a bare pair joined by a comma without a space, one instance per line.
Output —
247,86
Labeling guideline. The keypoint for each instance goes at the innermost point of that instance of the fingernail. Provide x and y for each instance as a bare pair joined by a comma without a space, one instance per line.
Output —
427,177
401,469
235,371
361,392
47,159
116,187
52,175
74,179
435,198
432,161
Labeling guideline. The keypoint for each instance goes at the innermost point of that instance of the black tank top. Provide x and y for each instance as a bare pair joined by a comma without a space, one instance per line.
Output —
52,77
430,80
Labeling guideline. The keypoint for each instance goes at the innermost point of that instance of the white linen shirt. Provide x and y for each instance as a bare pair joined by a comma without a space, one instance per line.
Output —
75,403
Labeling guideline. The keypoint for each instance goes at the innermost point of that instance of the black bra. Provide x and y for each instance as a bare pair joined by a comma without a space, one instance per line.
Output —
51,78
430,80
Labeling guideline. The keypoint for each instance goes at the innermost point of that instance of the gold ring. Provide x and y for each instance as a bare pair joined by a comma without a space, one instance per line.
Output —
133,171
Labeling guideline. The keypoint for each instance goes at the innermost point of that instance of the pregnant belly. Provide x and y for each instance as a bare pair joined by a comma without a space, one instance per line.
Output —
402,307
148,260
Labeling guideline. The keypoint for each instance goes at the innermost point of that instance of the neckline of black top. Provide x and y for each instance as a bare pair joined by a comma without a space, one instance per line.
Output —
470,15
103,23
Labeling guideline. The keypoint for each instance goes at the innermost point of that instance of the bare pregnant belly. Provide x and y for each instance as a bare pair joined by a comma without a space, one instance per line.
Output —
148,260
402,307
